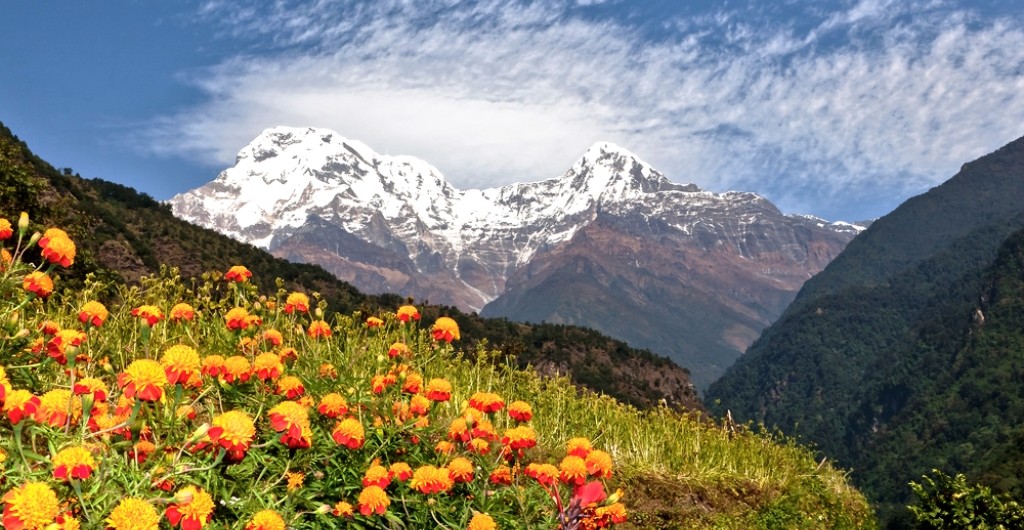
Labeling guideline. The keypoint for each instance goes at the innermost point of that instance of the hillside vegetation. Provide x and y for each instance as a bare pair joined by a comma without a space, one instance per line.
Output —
316,403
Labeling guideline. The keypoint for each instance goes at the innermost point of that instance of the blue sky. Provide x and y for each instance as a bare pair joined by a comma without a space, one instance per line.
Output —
840,109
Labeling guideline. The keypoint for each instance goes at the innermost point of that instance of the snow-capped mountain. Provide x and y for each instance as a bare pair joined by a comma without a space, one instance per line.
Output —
393,224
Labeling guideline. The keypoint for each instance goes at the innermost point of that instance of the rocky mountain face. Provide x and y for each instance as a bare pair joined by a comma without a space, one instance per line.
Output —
611,244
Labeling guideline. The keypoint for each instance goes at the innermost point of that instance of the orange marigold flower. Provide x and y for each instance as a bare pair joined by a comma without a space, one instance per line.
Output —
439,390
273,336
480,446
460,469
296,302
379,382
57,407
444,447
333,405
482,521
399,349
213,365
20,404
6,230
349,432
182,311
318,328
429,479
74,462
295,479
288,354
237,318
572,470
60,251
290,386
133,514
93,313
445,329
292,420
377,475
91,385
400,471
38,283
181,363
502,475
49,327
58,346
458,430
31,506
546,474
373,500
192,508
412,384
151,314
486,402
614,513
578,446
267,366
238,274
407,313
144,378
5,259
233,430
266,520
49,234
520,411
343,509
141,450
374,322
328,371
419,404
521,437
236,369
599,464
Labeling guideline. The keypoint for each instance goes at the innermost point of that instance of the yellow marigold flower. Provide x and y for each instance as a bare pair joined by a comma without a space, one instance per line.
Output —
374,322
349,432
407,313
479,446
63,342
376,475
578,446
458,430
38,283
614,513
151,314
482,521
502,475
181,363
460,469
59,250
237,318
238,274
66,521
546,474
373,500
192,508
213,365
318,328
93,313
144,378
445,329
236,368
133,514
295,479
412,384
54,407
49,234
439,390
520,411
291,419
429,479
419,404
233,430
31,506
6,230
333,405
343,509
486,402
266,520
290,386
444,447
599,464
267,366
288,354
74,462
400,471
20,404
273,336
399,349
521,437
182,311
296,302
572,470
328,371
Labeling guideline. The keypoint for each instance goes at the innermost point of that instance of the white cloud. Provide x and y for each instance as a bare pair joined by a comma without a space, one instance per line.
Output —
868,99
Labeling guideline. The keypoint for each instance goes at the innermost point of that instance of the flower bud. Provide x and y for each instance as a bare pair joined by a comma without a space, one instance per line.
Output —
183,497
36,236
323,509
23,222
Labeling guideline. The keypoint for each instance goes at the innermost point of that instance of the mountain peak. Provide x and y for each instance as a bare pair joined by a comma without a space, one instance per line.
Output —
609,171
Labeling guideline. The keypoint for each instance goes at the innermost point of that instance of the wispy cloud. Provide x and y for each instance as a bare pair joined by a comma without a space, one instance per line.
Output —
817,109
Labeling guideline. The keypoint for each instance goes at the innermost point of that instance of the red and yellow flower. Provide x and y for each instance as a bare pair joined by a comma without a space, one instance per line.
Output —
599,464
343,509
460,469
6,230
520,411
408,313
545,474
267,366
236,369
144,378
63,342
520,437
349,432
266,520
482,521
30,506
486,402
377,475
238,274
237,318
74,462
502,475
182,311
233,430
150,314
412,384
93,313
439,390
419,404
181,364
318,329
445,329
374,322
291,387
400,471
133,514
38,283
20,404
274,337
57,407
429,479
292,420
296,302
399,349
373,500
578,446
91,386
213,365
59,250
333,405
572,470
192,508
